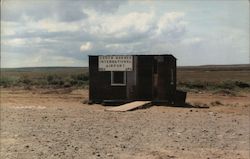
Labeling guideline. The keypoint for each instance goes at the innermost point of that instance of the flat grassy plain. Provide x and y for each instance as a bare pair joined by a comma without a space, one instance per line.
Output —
214,77
214,73
210,77
44,76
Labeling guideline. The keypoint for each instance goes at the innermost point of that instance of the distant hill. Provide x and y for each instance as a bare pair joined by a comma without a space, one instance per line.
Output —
45,69
238,67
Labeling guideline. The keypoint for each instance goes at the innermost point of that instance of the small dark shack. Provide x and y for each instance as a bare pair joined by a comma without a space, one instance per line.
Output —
132,77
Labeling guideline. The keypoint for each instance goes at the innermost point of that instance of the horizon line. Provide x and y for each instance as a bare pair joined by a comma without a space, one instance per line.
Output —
88,66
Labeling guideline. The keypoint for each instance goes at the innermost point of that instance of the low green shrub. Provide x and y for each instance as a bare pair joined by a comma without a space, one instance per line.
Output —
227,85
6,81
201,85
241,84
80,77
55,80
25,80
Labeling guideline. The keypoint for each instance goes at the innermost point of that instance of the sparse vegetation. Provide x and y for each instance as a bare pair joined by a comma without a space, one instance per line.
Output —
7,81
212,78
44,77
204,85
188,79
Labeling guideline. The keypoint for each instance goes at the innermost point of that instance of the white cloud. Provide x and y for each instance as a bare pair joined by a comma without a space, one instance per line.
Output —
44,57
29,25
134,27
104,27
25,41
191,41
113,46
8,28
173,21
51,25
14,42
7,32
86,46
118,25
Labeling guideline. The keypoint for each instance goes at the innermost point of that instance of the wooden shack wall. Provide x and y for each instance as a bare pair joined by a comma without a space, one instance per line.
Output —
144,77
166,86
168,78
100,84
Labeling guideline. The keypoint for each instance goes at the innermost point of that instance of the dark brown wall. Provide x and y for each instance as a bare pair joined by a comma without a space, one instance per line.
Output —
144,77
100,84
167,87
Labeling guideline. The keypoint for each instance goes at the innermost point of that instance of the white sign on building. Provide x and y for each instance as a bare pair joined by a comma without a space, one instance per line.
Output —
115,63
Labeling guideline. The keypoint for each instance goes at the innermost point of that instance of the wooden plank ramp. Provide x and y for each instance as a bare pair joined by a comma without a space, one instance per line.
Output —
129,106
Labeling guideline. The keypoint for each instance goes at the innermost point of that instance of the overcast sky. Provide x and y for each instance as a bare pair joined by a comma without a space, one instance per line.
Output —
64,33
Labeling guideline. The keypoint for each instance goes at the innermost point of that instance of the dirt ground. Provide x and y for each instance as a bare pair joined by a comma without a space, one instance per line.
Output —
41,124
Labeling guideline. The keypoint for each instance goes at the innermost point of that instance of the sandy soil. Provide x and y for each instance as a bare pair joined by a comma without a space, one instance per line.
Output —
40,124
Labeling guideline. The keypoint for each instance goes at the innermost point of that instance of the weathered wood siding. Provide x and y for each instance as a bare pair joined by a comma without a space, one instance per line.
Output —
153,78
100,84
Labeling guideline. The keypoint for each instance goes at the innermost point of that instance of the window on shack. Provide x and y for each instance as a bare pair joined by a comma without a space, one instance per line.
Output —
118,78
